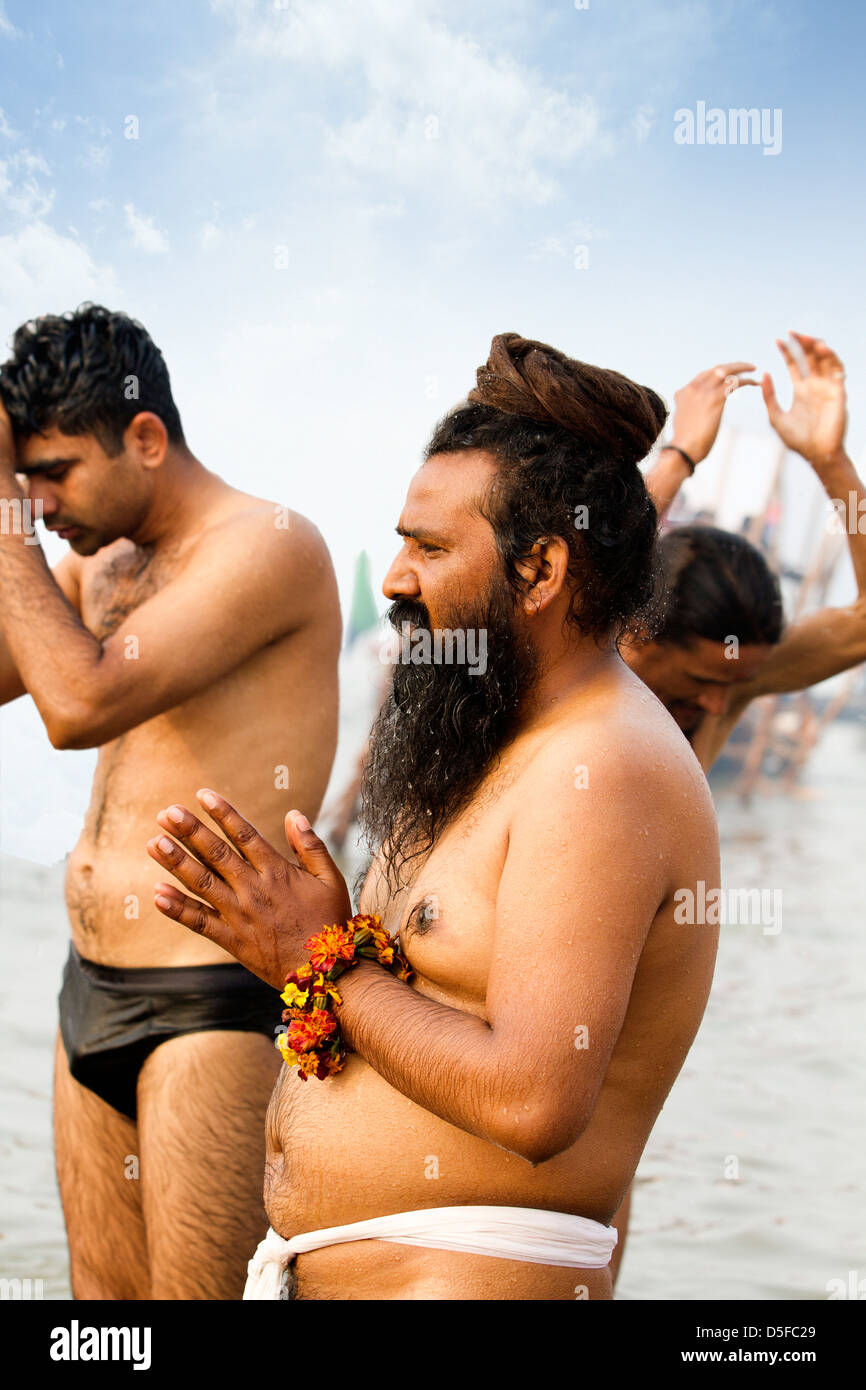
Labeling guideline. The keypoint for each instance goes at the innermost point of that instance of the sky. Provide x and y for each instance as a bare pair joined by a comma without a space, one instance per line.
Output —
323,210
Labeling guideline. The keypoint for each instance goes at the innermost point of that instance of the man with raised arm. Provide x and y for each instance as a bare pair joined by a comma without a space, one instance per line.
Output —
534,811
719,586
191,633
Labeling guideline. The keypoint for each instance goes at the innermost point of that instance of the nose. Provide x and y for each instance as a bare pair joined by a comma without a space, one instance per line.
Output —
715,701
44,496
401,581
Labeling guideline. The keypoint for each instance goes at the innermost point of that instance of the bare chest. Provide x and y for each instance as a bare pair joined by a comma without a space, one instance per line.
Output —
120,580
445,916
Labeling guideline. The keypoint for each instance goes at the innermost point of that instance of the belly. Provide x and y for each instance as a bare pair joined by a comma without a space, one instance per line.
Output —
110,876
109,899
354,1147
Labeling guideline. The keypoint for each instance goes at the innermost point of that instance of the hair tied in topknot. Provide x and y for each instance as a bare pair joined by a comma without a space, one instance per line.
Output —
607,411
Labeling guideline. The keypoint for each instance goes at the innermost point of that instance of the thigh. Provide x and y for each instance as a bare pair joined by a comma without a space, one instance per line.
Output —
202,1100
98,1172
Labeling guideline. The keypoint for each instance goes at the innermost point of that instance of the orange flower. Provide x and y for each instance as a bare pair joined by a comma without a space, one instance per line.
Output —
332,944
308,1065
308,1031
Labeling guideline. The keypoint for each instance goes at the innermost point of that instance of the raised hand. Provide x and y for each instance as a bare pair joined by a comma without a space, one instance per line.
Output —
814,425
249,898
699,406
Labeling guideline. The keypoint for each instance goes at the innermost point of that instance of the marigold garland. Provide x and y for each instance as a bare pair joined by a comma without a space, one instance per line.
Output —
312,1040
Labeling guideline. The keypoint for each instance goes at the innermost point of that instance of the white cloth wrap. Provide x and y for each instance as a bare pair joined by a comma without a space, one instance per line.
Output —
509,1233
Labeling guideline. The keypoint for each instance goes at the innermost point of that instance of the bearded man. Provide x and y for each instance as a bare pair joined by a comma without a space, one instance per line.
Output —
532,822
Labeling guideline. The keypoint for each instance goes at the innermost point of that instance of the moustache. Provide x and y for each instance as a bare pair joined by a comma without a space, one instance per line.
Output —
406,611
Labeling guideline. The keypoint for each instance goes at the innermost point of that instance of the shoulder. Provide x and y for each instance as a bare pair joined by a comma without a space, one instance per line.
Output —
279,534
628,761
272,546
272,562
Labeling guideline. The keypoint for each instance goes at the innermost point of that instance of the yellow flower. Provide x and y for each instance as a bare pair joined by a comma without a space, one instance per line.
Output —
293,996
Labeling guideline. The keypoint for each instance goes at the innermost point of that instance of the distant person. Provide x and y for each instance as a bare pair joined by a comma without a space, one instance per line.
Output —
191,634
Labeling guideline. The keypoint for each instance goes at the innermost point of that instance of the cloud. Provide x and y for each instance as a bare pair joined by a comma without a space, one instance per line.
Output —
438,105
642,122
21,193
145,235
96,156
7,28
209,236
564,245
43,271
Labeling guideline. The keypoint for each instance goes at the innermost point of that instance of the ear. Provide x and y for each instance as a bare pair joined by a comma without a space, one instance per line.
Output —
544,572
146,439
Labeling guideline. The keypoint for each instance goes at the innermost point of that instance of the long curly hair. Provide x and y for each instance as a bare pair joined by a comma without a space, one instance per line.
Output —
565,436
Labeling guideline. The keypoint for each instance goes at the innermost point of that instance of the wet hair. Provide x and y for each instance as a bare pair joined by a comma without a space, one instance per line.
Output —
566,436
89,371
717,585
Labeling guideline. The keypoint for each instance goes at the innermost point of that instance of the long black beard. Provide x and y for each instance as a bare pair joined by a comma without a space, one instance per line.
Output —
439,732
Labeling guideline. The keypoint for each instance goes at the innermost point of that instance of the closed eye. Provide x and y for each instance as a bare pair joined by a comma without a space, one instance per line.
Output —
51,475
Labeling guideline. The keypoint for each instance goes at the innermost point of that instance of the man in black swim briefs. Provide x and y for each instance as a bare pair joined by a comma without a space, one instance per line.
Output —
191,635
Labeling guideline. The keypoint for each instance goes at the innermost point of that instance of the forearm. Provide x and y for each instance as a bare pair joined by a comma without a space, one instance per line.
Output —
844,487
39,623
665,479
444,1059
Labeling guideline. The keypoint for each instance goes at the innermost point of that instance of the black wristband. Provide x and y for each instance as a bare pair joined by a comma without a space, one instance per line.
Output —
683,455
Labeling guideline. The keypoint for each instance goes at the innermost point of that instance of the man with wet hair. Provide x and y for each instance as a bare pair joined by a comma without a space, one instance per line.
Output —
190,634
719,587
531,824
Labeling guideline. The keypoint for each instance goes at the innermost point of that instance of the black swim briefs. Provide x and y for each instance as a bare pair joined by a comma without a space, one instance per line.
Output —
112,1019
